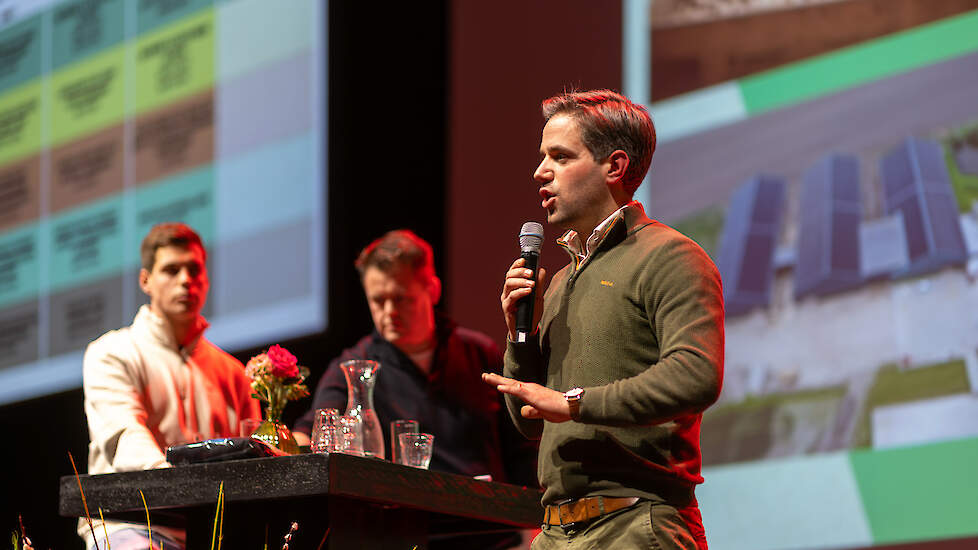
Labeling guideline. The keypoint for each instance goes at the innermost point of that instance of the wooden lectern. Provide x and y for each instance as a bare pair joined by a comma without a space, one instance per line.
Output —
362,502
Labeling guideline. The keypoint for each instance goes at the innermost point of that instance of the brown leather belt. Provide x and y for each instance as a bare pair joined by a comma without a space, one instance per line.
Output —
584,509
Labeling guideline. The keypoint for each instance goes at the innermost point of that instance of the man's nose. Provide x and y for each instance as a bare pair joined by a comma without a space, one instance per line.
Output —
542,174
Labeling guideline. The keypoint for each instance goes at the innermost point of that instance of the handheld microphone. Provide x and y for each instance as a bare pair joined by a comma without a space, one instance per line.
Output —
531,240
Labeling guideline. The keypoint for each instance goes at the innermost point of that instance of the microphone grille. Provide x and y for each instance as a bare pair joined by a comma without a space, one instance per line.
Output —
531,236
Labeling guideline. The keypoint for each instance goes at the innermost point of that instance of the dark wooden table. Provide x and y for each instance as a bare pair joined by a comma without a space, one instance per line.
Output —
359,502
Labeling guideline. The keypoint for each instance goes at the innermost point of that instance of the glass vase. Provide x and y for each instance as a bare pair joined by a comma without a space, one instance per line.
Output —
273,432
361,375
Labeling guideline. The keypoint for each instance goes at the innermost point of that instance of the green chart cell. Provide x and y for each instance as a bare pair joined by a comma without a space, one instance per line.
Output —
153,14
187,198
88,96
86,243
174,62
19,267
85,27
919,493
20,53
20,122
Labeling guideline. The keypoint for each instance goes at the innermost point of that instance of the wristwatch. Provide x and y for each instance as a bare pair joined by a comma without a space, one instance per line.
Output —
573,397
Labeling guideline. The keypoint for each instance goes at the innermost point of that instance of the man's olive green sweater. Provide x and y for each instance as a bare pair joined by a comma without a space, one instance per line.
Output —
639,326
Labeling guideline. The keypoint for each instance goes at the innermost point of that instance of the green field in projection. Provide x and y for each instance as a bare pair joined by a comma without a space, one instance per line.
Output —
919,493
735,100
861,64
174,62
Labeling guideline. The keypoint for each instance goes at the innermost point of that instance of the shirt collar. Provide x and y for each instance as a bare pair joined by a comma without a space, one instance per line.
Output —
158,327
571,241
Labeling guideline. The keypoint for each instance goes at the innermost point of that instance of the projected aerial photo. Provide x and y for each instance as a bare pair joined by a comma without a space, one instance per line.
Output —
844,222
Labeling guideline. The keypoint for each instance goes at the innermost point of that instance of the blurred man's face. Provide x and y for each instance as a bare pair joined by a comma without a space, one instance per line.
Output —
402,306
177,285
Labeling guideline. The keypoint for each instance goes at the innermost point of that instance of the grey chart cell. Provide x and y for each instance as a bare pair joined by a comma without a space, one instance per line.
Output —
82,314
277,100
281,272
18,334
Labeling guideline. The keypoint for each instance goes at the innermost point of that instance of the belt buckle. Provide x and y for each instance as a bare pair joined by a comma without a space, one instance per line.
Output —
560,516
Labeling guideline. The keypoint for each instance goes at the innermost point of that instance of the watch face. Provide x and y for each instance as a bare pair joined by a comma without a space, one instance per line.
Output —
574,394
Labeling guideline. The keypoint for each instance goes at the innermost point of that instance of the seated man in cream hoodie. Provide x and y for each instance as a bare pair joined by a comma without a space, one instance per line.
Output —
159,382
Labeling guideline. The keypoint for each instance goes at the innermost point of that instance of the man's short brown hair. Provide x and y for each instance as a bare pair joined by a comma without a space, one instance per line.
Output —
168,234
608,122
397,249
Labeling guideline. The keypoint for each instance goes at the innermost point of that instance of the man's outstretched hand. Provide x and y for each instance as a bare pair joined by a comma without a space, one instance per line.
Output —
541,402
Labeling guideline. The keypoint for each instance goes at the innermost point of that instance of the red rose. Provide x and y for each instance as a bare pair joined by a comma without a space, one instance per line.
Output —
284,364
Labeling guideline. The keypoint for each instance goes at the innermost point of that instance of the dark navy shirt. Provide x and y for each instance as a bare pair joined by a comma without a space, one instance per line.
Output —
473,432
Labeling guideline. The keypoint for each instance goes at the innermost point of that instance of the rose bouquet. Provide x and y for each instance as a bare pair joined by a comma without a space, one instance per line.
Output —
276,379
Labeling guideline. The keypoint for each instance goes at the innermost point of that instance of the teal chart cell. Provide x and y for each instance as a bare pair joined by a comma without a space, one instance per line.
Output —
20,45
82,28
86,243
19,267
154,14
187,198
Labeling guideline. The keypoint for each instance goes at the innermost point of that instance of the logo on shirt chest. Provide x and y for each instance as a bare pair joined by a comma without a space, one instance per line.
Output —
607,283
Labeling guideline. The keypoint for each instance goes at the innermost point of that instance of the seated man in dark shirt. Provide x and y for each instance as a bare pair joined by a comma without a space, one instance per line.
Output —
430,369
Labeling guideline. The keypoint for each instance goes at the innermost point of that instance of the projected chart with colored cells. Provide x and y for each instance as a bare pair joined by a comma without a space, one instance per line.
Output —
116,115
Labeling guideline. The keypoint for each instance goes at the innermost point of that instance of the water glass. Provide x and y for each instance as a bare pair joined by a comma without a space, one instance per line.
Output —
325,431
350,435
399,427
416,449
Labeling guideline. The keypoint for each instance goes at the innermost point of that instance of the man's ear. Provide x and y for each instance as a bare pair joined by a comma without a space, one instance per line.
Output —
144,280
434,289
617,166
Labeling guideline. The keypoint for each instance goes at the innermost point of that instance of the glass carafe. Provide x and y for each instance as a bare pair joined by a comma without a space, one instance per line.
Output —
361,375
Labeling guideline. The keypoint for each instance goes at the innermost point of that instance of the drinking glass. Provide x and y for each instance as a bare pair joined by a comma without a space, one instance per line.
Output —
325,431
416,449
351,435
399,427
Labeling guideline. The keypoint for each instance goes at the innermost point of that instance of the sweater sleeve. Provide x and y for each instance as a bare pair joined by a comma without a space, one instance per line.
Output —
683,301
524,362
115,410
519,455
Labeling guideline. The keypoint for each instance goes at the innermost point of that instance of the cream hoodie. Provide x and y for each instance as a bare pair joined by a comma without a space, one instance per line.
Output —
144,393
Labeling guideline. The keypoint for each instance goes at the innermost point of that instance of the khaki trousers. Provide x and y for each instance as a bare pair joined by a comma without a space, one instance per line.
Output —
642,526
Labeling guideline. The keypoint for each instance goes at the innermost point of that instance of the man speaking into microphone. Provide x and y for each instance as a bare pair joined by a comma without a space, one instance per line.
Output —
626,348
